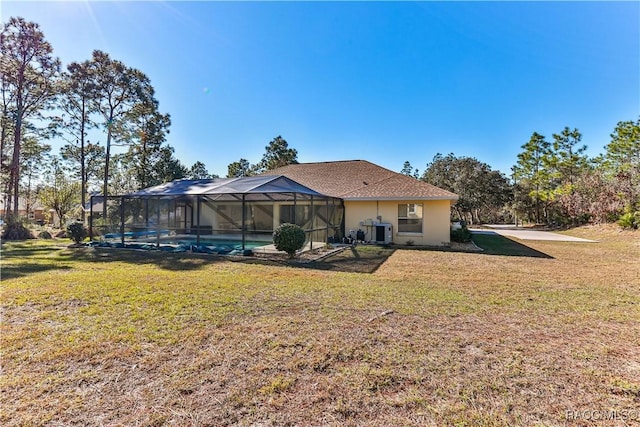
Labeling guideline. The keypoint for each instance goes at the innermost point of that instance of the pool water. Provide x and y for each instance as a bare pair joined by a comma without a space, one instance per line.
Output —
232,244
209,246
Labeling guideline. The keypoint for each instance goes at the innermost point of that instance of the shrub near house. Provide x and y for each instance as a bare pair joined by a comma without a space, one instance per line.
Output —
289,238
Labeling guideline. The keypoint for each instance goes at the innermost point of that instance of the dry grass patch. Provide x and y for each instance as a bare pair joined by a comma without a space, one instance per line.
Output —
429,338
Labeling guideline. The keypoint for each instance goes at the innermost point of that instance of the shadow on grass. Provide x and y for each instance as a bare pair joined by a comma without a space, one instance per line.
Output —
23,258
359,259
14,271
24,250
495,244
184,261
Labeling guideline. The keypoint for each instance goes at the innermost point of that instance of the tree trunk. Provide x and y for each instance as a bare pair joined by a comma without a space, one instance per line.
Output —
83,178
106,172
14,176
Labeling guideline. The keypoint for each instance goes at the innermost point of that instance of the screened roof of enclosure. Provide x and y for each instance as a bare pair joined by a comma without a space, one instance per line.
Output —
252,185
247,207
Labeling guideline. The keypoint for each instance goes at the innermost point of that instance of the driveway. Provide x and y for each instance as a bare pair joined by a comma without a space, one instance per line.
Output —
528,234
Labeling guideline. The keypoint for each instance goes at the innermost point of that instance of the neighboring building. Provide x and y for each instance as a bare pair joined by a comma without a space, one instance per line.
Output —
417,212
36,213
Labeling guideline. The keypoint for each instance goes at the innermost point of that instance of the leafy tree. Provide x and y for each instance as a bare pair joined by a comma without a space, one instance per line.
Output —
29,75
596,198
61,192
118,89
240,168
409,170
199,171
277,154
482,192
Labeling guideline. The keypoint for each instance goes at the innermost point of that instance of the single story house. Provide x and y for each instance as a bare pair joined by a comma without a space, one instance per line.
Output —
331,201
417,212
35,212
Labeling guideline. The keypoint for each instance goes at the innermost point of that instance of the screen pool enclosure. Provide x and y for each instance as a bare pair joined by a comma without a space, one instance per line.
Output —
241,211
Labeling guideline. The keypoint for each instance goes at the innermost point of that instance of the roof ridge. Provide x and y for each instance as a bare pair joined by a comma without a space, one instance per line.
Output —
329,161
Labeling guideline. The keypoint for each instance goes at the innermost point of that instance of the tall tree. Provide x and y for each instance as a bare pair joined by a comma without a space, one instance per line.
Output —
532,173
622,157
29,74
118,89
92,172
409,170
76,101
567,157
168,168
240,168
33,157
121,179
199,171
144,130
567,163
277,154
6,138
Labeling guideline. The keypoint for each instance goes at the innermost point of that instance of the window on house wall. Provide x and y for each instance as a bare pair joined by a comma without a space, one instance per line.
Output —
410,218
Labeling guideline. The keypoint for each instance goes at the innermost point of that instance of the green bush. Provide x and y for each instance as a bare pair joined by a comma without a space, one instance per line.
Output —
630,220
289,238
16,230
461,235
77,231
44,234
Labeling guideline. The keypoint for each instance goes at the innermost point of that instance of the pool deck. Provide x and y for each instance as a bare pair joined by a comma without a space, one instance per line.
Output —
271,249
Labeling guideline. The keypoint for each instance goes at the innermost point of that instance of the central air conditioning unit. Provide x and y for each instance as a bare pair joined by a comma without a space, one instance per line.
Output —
383,233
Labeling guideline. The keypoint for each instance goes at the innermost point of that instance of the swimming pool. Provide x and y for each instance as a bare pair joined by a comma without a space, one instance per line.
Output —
224,244
208,246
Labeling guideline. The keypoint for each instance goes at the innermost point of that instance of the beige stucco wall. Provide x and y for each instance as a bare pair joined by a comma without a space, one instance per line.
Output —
435,223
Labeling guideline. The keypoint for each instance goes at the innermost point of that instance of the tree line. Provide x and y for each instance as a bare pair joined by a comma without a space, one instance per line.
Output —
100,96
552,182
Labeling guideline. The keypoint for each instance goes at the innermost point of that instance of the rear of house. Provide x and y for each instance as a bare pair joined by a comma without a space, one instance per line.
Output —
385,205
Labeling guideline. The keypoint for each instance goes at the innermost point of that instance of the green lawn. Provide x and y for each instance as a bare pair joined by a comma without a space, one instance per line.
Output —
371,336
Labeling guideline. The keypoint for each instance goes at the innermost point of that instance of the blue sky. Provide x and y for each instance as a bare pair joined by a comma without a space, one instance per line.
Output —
384,82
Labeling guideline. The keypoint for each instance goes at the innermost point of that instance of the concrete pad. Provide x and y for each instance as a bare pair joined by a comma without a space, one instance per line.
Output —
529,234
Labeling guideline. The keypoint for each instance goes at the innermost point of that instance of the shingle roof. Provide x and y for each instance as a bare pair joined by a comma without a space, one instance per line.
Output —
361,180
